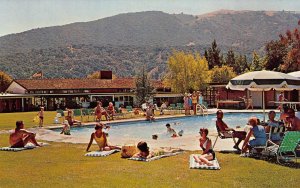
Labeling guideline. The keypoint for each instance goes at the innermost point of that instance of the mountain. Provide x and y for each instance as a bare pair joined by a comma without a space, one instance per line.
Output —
77,49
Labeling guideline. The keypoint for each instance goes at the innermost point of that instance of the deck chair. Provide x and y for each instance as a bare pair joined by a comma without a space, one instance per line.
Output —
223,135
129,108
87,112
263,150
77,112
180,107
287,148
118,113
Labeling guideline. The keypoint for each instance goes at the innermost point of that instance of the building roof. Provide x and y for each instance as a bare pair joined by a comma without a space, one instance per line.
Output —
77,83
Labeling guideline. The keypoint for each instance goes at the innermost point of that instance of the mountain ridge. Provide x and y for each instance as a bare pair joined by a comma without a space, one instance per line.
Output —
153,31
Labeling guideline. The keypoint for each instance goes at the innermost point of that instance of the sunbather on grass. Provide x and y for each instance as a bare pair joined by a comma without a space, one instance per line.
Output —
100,137
20,137
145,153
208,153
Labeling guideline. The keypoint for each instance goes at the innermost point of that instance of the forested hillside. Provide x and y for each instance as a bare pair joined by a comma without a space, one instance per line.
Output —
124,42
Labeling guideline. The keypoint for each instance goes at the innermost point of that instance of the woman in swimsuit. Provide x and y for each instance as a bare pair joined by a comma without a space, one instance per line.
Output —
208,153
100,137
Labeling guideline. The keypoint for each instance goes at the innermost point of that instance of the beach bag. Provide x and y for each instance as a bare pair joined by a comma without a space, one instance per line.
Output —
128,150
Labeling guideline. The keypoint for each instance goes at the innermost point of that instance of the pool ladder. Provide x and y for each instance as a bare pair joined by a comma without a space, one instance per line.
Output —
201,109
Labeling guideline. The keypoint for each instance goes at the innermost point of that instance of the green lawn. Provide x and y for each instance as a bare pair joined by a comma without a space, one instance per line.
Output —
8,120
64,165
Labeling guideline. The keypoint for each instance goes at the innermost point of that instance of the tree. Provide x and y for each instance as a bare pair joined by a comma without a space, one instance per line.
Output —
291,41
230,58
5,80
213,55
221,74
241,64
143,87
275,51
257,63
186,72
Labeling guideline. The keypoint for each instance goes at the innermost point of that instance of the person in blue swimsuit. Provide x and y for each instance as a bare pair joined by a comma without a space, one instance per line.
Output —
259,134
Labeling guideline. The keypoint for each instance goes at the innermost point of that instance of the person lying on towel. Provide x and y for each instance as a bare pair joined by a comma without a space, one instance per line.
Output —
205,144
100,137
20,136
145,153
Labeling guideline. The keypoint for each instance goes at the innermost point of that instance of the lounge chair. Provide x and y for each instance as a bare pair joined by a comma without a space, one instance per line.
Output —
118,113
287,148
224,135
262,151
77,112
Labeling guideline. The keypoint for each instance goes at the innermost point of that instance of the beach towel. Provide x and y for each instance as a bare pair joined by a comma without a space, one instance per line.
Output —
101,153
155,157
28,146
195,165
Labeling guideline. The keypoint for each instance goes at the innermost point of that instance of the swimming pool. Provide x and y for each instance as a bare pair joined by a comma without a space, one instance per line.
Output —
142,130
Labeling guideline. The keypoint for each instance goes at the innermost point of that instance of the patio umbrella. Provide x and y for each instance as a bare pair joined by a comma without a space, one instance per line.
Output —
264,81
295,74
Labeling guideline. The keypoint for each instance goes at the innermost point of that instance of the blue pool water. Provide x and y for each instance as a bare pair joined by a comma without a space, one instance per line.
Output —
190,125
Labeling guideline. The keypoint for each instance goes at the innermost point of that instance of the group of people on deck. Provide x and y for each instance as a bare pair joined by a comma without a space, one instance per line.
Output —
20,137
190,102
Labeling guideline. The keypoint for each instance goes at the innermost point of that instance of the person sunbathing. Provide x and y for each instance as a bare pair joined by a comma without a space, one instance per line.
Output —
259,133
100,137
144,151
66,128
241,135
208,153
20,137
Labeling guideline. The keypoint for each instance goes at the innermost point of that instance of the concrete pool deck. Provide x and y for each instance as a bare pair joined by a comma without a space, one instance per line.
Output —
186,142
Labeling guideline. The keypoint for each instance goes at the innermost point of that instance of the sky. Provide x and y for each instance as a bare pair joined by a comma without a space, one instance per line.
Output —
21,15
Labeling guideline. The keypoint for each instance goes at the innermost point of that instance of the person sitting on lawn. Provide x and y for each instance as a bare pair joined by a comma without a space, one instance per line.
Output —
258,131
20,137
100,137
66,128
241,135
205,144
111,110
171,131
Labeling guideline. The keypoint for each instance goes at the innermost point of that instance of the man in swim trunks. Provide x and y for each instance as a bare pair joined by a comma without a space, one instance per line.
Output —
20,137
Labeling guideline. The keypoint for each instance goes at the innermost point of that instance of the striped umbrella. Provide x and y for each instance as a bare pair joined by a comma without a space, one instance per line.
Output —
264,81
